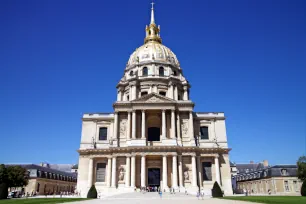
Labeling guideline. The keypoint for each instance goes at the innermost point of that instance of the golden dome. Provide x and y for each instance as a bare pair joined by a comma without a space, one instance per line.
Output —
153,51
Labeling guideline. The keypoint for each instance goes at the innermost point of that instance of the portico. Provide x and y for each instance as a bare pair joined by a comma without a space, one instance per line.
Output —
169,168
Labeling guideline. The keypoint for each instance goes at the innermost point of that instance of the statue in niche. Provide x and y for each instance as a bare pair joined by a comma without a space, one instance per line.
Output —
121,173
185,128
186,174
122,127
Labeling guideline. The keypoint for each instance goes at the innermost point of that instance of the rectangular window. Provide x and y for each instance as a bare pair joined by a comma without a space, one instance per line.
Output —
103,133
295,186
204,133
206,166
286,186
100,173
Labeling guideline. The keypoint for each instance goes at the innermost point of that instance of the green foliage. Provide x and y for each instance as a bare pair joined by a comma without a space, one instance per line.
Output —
17,176
216,191
269,199
301,172
3,174
41,200
303,189
92,193
3,191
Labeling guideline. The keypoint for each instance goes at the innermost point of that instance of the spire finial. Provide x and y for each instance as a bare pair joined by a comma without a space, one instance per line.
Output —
152,13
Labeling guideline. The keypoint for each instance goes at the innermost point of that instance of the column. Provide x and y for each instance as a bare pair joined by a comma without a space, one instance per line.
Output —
174,172
90,172
133,170
217,169
134,92
143,124
143,171
114,168
165,176
115,126
163,124
172,124
171,91
131,93
194,171
199,171
134,124
178,126
119,95
127,171
191,132
175,93
180,171
128,135
109,170
185,97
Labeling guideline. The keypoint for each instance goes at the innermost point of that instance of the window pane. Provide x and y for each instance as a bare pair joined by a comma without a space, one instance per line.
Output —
206,171
161,71
145,71
204,133
162,93
100,172
103,133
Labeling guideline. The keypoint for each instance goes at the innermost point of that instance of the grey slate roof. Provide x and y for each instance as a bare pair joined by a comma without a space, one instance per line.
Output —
273,171
45,169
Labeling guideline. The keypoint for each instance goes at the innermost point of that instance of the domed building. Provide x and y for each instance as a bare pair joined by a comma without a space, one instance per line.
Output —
153,138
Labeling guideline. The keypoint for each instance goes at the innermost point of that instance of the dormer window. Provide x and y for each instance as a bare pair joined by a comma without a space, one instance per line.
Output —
131,73
145,71
284,172
161,71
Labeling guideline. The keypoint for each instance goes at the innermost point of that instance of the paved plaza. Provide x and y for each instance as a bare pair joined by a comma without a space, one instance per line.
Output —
153,198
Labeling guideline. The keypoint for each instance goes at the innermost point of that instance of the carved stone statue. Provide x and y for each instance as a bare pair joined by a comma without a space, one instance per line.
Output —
121,173
122,127
185,128
186,175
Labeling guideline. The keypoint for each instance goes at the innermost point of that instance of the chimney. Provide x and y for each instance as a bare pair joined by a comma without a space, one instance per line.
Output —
265,163
251,162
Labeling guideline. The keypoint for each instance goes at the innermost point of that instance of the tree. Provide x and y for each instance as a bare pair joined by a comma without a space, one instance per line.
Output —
216,190
301,172
92,193
3,181
17,176
303,189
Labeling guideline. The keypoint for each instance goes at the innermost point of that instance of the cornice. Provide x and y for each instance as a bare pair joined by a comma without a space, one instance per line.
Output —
153,150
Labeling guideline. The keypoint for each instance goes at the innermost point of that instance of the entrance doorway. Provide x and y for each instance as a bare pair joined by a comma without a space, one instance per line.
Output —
153,177
153,134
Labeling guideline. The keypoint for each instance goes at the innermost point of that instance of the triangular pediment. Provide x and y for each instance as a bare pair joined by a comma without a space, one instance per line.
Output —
154,98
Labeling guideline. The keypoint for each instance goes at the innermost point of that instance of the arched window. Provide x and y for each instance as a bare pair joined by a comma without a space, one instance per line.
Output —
174,73
163,93
144,93
131,73
161,71
145,71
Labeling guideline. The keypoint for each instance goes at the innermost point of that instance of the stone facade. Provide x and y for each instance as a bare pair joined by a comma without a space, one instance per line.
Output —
277,180
153,132
47,181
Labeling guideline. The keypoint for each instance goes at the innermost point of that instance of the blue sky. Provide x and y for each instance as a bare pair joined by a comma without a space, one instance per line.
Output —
59,59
